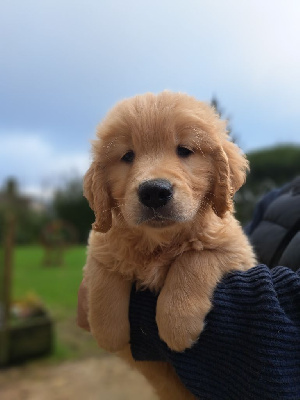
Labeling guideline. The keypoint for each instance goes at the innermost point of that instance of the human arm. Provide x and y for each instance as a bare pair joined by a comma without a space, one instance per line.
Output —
250,347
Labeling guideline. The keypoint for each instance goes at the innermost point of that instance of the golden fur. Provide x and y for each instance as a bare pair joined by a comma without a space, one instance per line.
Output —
182,252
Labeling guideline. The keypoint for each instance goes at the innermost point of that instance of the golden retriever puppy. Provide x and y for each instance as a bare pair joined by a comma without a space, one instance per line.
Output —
161,185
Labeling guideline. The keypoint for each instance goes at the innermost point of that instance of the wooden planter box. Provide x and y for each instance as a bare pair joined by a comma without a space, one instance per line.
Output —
33,337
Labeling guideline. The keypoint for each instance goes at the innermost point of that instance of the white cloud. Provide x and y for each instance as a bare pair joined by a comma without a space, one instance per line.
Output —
20,146
36,164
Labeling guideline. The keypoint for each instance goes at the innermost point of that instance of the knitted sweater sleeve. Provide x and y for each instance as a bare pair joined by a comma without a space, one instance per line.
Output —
250,347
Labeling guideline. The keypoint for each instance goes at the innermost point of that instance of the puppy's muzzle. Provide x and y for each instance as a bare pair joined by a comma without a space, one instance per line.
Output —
155,193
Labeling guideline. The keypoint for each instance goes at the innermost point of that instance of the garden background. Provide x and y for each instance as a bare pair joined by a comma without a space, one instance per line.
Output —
64,64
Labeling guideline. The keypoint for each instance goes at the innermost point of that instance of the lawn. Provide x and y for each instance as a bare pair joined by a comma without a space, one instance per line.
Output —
56,287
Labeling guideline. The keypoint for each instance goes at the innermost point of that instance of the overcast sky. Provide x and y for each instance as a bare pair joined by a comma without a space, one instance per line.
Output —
64,63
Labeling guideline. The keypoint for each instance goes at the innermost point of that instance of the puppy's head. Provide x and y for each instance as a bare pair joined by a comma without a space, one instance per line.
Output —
160,161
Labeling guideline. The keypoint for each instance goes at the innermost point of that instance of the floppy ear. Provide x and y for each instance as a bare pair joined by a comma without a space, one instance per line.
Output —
94,189
221,201
231,172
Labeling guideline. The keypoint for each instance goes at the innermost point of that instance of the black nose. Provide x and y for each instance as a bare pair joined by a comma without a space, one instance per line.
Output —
155,193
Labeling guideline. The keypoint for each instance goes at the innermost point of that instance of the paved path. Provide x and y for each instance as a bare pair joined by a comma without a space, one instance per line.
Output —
105,378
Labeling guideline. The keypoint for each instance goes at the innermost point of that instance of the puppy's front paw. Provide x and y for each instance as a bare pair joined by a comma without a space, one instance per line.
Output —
112,338
179,323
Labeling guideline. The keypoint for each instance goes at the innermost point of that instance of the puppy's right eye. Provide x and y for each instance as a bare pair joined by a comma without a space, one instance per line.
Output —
128,157
183,151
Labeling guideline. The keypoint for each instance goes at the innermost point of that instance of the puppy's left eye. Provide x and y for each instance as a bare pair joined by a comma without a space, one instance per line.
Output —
128,157
183,152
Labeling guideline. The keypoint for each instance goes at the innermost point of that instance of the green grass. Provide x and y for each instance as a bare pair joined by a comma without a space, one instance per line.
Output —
56,287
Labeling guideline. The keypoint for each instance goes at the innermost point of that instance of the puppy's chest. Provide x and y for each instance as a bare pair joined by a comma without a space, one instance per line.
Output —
135,261
148,271
149,268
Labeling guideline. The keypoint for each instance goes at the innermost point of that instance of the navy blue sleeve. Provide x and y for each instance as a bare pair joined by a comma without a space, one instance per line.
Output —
250,347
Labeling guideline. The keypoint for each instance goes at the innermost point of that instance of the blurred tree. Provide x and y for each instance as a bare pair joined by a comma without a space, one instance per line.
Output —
216,105
69,205
278,165
269,168
28,220
56,237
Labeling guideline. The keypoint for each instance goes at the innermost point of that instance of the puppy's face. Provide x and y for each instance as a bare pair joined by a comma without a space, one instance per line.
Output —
161,181
160,160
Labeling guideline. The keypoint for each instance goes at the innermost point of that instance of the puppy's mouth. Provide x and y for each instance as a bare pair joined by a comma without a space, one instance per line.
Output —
156,220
